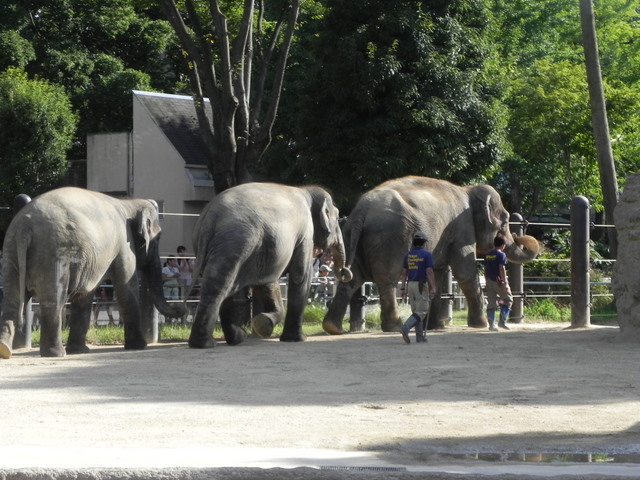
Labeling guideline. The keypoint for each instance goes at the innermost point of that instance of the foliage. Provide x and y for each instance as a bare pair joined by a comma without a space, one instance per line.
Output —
314,313
97,50
550,135
37,126
407,94
547,309
237,58
540,57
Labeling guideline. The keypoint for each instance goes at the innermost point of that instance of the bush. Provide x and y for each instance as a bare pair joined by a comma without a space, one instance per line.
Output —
547,309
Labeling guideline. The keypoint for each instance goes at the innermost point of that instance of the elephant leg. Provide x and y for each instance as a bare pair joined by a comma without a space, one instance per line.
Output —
235,315
201,335
269,309
345,292
10,320
79,320
389,317
297,295
464,270
475,302
356,310
7,333
129,307
13,326
216,291
437,314
124,277
51,329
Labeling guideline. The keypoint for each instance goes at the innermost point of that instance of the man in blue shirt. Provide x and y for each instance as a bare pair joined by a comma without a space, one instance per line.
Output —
418,284
495,275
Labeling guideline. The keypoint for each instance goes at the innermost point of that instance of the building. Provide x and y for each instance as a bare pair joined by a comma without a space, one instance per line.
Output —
163,158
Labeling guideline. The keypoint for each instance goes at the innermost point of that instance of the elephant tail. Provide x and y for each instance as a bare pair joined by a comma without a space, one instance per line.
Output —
22,248
356,225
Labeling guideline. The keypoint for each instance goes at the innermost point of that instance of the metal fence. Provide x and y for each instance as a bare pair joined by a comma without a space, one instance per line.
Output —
577,289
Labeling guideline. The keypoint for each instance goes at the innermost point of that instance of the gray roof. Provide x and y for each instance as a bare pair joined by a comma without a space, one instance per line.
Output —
176,116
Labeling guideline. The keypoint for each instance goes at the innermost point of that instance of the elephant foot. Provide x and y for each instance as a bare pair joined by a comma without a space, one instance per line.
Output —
234,335
263,324
201,343
477,323
331,328
134,345
5,350
74,349
7,331
391,326
292,337
357,326
54,351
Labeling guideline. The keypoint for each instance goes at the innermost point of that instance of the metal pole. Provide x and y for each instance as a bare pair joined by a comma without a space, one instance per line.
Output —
449,284
516,276
580,287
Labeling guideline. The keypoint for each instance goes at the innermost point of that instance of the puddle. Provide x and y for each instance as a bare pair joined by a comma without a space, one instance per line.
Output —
538,457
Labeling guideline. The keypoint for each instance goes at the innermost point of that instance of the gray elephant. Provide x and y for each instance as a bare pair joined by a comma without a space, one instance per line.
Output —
251,235
460,222
59,246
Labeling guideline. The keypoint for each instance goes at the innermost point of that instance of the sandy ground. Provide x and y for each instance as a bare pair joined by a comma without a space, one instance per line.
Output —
535,389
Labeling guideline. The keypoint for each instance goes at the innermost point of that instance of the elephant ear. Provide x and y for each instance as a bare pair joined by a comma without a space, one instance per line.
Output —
147,224
324,216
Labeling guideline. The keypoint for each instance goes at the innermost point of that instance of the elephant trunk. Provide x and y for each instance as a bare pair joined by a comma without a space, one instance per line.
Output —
523,249
342,271
152,293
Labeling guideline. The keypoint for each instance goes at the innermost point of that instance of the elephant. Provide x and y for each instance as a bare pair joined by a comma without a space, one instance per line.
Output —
59,246
459,221
251,235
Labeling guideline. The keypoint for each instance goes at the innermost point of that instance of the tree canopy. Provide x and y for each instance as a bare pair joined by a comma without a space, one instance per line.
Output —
383,89
466,90
37,126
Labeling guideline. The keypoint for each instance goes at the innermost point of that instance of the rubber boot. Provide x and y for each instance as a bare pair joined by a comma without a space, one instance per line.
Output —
411,322
491,315
504,316
421,336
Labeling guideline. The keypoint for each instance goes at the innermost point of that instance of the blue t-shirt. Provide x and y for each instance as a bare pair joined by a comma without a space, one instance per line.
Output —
416,261
492,262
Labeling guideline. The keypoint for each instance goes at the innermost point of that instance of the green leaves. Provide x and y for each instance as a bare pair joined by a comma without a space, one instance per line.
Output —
393,88
37,127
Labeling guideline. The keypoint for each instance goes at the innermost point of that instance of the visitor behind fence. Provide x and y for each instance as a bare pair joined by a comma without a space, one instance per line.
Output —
185,265
325,285
495,274
170,275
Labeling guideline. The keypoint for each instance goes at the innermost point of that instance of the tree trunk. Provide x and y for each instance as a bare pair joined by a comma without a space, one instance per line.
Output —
608,180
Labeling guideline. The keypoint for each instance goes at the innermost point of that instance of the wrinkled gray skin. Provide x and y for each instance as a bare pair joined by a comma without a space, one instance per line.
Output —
251,235
459,222
58,248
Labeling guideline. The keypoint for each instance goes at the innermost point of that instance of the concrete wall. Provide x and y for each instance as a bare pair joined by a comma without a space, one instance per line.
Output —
145,164
108,160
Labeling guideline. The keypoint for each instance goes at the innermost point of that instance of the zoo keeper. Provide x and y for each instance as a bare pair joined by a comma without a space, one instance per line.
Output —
418,284
495,275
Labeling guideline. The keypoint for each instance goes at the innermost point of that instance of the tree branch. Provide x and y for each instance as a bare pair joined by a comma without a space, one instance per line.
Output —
264,134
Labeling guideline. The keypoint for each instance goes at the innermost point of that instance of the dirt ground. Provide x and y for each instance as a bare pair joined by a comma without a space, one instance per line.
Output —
536,389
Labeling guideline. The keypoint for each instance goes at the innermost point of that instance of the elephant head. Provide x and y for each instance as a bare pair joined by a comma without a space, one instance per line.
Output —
490,219
326,230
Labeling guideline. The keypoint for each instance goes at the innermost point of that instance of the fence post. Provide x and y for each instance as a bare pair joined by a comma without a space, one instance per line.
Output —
580,288
449,292
516,276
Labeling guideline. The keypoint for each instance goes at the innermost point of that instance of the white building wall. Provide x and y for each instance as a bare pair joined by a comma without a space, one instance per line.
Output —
108,156
159,174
